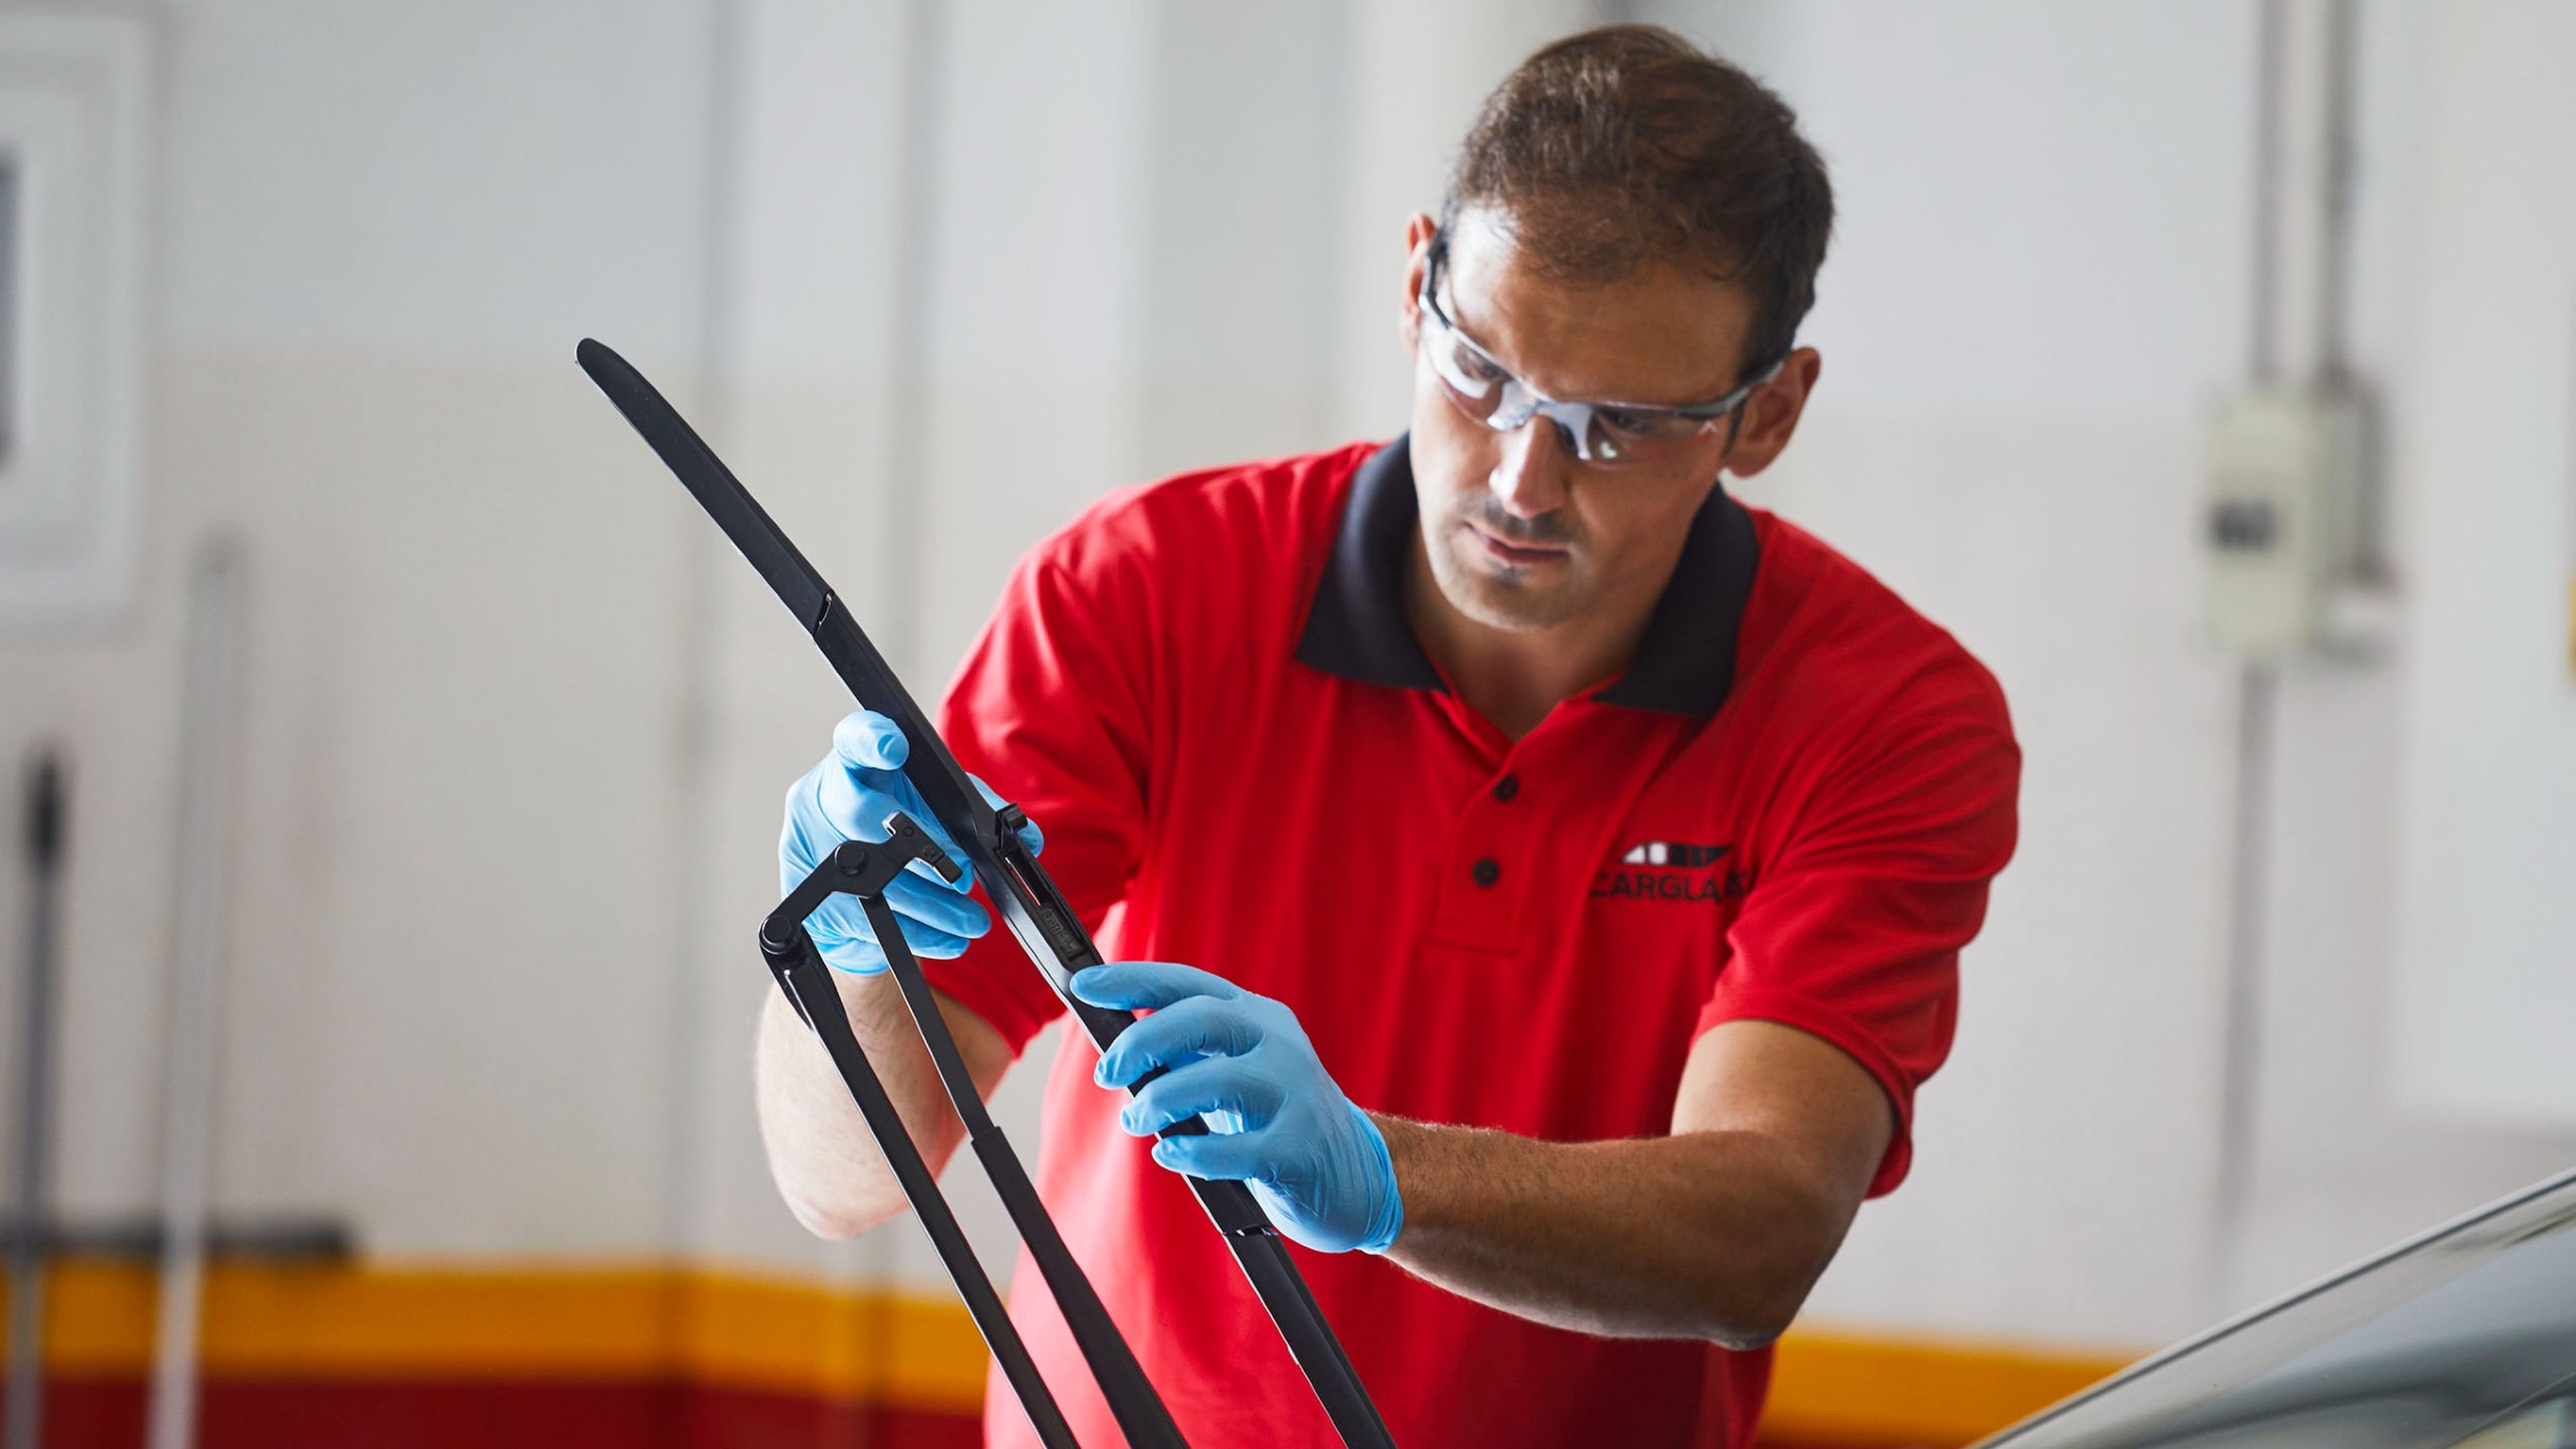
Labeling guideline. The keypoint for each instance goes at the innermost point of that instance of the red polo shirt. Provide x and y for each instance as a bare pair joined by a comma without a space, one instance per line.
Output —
1207,692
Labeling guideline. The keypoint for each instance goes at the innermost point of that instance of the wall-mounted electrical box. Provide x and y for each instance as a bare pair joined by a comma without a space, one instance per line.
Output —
73,94
2289,515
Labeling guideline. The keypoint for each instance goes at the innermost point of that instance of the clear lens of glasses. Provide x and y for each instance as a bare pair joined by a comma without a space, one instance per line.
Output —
1604,433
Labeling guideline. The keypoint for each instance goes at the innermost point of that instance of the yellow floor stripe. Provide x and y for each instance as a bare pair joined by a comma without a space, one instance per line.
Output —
1837,1386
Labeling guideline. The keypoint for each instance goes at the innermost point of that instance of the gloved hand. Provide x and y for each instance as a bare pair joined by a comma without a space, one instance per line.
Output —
848,797
1317,1163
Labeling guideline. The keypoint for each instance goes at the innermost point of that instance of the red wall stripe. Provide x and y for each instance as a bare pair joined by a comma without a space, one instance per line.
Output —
107,1413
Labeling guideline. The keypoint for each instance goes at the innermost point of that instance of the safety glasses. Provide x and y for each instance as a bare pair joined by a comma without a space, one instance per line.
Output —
1606,434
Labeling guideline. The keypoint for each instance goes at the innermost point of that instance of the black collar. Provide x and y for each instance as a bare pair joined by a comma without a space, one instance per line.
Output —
1357,627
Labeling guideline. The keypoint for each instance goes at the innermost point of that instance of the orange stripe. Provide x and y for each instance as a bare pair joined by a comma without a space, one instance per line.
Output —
720,1329
1835,1386
745,1331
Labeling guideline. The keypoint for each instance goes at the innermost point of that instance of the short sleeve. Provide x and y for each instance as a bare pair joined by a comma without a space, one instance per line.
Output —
1050,709
1853,929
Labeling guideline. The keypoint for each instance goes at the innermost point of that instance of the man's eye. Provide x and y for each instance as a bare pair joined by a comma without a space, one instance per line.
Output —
1647,424
1480,367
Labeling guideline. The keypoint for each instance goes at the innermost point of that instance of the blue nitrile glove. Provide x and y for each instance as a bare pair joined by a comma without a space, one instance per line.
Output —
848,797
1317,1163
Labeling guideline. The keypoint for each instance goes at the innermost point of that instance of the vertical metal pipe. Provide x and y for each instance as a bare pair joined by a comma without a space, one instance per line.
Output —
2257,700
2331,191
12,324
2263,345
208,723
2308,199
905,486
701,557
47,812
2258,692
2302,212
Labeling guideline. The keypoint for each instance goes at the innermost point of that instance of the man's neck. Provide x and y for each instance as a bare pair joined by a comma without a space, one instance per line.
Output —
1513,677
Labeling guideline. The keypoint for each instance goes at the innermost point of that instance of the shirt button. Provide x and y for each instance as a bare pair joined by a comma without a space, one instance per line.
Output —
1485,872
1506,787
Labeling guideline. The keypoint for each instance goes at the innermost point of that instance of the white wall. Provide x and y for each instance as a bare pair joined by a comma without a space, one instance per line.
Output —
1137,217
507,692
518,720
2038,274
379,234
2487,925
2041,279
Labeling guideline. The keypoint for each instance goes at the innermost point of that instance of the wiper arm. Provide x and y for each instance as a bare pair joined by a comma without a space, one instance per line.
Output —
1030,904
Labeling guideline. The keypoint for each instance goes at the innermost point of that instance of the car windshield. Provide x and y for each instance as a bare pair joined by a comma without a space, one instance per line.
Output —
2465,1336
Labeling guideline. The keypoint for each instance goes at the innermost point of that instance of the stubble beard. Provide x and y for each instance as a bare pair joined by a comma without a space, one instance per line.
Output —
1498,595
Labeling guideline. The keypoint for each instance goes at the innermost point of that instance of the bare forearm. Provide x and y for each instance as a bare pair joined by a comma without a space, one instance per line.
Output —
827,1165
1707,1235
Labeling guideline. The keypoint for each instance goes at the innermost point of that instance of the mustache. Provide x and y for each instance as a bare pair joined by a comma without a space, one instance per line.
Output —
1548,530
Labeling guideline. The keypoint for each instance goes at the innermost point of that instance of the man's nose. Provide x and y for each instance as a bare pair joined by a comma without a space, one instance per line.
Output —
1530,479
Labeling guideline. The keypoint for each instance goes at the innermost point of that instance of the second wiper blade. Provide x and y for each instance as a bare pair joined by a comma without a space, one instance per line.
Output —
1036,912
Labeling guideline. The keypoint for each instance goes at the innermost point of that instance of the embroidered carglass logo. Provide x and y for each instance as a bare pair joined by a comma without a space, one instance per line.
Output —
1667,852
1672,870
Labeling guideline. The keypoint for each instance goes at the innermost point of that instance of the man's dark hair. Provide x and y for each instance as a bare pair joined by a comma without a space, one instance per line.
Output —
1628,145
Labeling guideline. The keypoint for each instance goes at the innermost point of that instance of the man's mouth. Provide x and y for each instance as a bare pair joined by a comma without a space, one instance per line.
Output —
1518,555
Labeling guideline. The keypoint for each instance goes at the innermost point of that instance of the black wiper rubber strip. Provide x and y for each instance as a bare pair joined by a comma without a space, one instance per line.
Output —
866,871
1019,887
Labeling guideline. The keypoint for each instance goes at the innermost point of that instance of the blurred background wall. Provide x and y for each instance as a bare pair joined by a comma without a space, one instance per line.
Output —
932,276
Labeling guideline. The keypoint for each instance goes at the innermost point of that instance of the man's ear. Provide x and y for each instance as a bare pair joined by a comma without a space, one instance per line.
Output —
1771,415
1419,229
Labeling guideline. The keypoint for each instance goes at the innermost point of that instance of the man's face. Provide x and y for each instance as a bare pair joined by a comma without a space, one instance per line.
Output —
1522,534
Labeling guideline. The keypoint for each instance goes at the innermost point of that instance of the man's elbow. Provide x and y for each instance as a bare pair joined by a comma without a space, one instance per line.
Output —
1751,1316
836,1218
824,1222
1755,1291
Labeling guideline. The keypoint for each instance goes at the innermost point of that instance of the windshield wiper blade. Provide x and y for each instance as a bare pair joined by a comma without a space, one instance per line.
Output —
708,480
1036,912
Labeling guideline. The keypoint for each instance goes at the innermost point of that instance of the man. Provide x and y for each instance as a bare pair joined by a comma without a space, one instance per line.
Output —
1571,862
